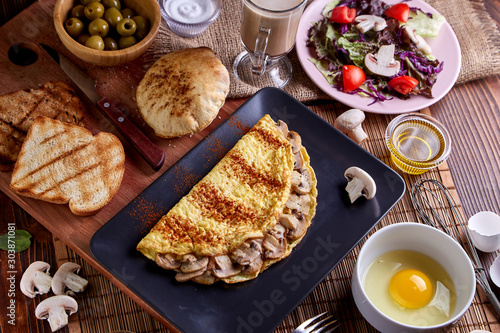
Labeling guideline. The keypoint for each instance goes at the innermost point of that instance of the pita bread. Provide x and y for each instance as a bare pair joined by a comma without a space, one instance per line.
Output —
183,92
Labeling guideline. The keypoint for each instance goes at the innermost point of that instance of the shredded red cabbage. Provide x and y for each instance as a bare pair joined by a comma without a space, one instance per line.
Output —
333,54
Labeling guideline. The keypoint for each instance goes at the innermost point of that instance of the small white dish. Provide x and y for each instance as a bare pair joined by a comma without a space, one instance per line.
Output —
189,18
484,229
495,272
429,241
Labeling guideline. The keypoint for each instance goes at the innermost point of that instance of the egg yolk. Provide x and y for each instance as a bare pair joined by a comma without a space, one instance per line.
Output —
411,288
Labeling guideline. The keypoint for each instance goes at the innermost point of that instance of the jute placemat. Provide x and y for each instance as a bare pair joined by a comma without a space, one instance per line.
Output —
477,33
103,308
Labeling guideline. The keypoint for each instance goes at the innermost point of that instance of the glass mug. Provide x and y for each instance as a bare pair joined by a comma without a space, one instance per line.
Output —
268,31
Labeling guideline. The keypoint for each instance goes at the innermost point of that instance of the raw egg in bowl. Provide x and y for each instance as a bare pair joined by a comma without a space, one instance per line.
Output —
410,277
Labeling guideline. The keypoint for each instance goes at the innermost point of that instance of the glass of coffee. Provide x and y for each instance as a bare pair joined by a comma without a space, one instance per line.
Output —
268,31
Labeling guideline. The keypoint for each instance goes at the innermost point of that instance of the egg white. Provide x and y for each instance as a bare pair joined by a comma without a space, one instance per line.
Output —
376,281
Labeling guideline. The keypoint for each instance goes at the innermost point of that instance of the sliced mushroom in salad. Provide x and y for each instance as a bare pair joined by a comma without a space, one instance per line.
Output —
385,42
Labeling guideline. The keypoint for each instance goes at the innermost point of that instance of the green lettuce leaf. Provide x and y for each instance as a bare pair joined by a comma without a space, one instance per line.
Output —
327,11
424,25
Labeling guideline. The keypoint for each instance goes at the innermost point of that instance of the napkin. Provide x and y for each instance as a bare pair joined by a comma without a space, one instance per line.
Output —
476,31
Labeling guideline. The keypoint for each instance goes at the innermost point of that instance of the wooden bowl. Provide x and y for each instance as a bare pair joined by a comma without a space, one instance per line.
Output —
147,8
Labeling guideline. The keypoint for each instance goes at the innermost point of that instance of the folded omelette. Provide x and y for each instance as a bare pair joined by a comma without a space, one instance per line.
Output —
249,212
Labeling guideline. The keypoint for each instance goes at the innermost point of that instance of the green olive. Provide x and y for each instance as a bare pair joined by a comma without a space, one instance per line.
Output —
83,38
99,27
78,12
74,26
86,2
142,26
126,27
95,42
127,13
113,16
125,42
94,10
112,3
110,44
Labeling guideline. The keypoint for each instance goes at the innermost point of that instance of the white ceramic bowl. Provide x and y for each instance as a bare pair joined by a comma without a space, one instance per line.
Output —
182,24
429,241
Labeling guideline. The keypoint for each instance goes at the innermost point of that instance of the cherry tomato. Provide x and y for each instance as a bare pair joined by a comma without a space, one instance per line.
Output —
353,77
399,11
343,14
403,84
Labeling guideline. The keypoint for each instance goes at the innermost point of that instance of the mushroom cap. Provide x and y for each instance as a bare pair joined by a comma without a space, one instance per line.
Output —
349,120
27,283
60,301
370,188
283,127
367,22
191,263
61,274
225,267
295,140
383,63
167,261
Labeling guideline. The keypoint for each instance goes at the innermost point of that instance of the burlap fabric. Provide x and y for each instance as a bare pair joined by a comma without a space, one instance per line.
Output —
477,33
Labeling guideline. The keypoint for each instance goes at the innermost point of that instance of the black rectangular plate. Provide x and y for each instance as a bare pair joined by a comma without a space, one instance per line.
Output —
261,304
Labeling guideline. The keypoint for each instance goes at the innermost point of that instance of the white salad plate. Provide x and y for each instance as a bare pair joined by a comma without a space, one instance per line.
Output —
445,47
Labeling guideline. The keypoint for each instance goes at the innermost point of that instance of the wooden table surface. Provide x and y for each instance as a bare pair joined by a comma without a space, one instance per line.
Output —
470,112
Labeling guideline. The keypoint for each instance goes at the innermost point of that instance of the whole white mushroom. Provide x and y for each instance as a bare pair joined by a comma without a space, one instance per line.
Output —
55,309
350,122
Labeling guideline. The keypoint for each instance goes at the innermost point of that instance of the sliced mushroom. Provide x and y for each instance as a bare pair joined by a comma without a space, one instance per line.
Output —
296,226
295,140
191,264
298,161
66,278
274,247
206,278
36,279
254,267
302,181
299,203
365,23
225,268
418,40
247,252
360,183
277,231
54,310
183,277
167,261
383,63
350,122
283,127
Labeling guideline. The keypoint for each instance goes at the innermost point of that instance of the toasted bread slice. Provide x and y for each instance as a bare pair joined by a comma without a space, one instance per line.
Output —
64,163
19,109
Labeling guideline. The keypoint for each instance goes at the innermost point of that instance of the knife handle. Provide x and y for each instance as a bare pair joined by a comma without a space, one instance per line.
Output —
151,152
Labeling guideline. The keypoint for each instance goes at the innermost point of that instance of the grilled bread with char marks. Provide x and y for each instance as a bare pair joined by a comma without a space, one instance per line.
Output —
19,109
64,163
249,212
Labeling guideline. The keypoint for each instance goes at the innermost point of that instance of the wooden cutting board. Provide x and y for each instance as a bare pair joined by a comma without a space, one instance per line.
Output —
26,32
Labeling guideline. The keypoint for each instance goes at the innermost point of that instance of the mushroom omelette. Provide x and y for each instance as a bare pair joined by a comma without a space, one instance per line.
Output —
247,213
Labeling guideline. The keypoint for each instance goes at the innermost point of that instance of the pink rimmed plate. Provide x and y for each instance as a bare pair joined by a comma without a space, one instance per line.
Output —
445,47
